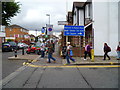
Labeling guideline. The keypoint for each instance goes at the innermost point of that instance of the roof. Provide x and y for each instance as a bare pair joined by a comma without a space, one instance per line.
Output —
78,5
16,26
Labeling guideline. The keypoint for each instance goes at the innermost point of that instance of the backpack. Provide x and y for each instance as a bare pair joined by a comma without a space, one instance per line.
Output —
108,49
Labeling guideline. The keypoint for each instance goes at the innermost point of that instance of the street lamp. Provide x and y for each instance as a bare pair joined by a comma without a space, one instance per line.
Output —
49,17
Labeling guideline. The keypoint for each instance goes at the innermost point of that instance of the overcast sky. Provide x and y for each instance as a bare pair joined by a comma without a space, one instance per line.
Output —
33,13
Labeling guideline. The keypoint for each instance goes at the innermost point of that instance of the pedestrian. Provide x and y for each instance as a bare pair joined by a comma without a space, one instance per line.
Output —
43,49
50,52
53,45
87,51
118,51
69,53
106,50
64,50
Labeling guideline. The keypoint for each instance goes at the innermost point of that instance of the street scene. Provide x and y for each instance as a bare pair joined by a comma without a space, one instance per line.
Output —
60,44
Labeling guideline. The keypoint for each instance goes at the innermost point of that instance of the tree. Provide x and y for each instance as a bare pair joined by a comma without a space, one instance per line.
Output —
9,10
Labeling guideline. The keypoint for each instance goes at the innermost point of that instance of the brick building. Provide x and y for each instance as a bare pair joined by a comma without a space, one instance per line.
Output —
16,33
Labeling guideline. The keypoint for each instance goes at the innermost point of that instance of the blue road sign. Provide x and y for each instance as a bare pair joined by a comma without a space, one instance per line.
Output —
50,29
73,30
43,30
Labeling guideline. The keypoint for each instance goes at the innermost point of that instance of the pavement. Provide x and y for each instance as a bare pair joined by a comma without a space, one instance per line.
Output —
24,57
98,60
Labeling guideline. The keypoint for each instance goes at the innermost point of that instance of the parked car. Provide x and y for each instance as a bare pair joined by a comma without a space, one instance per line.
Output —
9,46
22,45
33,49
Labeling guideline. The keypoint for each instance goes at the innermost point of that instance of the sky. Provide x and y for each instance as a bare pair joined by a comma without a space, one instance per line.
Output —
33,14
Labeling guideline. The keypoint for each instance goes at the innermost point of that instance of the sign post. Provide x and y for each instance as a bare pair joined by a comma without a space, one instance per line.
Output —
74,31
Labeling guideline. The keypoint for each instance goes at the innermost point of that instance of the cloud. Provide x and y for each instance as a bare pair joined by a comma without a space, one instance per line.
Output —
33,13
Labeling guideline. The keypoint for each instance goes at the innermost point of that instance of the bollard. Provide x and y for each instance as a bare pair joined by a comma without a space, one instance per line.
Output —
23,51
15,52
92,55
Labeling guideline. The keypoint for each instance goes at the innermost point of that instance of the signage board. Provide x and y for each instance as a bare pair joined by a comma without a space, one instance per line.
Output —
49,29
43,30
62,23
73,30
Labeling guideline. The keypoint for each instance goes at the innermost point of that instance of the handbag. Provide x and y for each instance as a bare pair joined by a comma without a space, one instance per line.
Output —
71,53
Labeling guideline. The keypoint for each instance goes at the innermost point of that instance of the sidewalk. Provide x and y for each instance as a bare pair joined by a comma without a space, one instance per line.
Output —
28,57
97,61
59,60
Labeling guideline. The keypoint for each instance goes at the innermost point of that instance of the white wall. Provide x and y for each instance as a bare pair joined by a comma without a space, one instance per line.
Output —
119,22
81,17
105,24
75,17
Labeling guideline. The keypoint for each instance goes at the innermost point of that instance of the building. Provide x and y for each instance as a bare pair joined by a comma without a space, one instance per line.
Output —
106,25
16,33
2,35
101,23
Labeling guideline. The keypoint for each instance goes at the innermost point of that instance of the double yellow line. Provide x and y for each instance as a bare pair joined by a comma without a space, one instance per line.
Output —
75,66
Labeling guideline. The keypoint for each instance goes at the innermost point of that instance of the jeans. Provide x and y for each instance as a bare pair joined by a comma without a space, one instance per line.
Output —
50,57
118,52
42,54
69,57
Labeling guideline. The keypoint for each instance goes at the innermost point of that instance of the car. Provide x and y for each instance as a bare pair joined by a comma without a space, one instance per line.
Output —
22,45
9,46
33,49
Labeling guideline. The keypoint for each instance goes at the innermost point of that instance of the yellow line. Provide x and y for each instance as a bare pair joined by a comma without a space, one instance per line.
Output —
73,66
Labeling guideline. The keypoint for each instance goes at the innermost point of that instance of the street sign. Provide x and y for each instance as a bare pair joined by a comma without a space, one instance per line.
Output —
43,30
73,30
50,29
62,23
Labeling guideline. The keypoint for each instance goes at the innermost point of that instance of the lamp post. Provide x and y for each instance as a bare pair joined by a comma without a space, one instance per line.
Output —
49,17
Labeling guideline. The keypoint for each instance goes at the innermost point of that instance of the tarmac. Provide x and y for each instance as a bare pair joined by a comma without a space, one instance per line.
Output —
34,60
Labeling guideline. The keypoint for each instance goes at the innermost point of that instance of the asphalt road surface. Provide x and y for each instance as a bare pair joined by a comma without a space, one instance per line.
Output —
65,77
9,66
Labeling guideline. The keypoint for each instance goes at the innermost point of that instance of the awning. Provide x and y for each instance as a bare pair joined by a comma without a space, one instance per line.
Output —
88,24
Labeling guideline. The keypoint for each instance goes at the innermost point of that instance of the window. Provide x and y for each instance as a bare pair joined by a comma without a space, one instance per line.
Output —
10,29
21,30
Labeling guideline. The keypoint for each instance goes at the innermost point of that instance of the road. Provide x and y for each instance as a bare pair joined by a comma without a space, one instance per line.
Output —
56,75
65,77
9,66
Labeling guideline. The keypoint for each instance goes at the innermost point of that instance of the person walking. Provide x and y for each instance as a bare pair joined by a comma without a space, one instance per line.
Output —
43,49
64,50
53,45
50,52
69,53
118,51
87,51
106,50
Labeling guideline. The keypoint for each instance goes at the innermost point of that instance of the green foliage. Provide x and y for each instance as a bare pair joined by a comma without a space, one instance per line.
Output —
9,40
9,10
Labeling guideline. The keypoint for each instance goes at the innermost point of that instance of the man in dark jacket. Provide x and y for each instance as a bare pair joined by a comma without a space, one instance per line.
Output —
50,52
106,50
